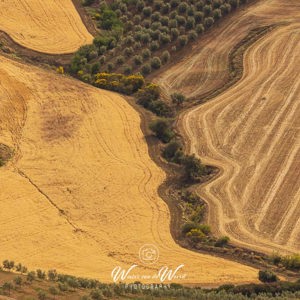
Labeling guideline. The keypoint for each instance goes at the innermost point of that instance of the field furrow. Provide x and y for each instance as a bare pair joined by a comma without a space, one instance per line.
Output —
80,194
251,132
51,26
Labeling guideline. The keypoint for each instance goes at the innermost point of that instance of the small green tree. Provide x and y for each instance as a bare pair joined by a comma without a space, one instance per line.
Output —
165,57
146,69
155,62
183,39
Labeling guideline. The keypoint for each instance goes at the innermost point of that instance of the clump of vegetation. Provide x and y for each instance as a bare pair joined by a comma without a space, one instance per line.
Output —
193,168
222,241
178,98
64,286
291,262
119,83
148,97
162,129
173,152
267,276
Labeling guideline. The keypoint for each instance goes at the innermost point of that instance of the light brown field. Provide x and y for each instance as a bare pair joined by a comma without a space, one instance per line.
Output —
251,131
205,66
51,26
80,194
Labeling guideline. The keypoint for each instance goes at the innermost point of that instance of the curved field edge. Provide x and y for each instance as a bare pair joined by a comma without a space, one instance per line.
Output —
51,27
246,236
263,13
69,164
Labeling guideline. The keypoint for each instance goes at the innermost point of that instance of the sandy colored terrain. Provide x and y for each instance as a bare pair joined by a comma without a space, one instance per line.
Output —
251,132
80,194
51,26
205,66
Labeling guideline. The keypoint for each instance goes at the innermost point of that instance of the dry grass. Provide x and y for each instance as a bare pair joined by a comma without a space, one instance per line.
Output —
251,132
51,26
80,194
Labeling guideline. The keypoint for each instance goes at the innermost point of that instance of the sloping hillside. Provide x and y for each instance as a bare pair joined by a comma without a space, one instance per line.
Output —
251,132
51,26
80,193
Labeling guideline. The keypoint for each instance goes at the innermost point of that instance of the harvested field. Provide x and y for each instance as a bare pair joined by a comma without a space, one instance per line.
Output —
205,67
251,132
80,193
51,26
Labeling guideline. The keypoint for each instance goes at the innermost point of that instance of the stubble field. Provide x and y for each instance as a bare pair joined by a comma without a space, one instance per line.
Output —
80,193
51,26
250,131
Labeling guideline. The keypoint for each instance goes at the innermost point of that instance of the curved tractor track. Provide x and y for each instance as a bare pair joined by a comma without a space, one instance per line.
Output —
52,26
80,193
205,66
252,133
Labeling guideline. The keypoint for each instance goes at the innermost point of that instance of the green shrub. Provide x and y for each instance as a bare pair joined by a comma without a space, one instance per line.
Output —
196,235
193,168
87,2
165,57
18,280
30,276
183,39
127,70
120,60
146,69
222,241
208,22
162,129
173,152
267,276
187,227
155,62
138,60
292,262
146,53
177,98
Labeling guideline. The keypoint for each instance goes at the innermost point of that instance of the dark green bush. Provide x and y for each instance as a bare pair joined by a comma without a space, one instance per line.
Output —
267,276
162,129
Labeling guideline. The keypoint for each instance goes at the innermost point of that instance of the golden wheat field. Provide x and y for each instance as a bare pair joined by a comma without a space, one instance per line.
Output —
251,133
80,193
52,26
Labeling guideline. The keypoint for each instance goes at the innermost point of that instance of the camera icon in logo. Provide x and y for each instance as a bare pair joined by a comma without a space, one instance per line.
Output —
149,254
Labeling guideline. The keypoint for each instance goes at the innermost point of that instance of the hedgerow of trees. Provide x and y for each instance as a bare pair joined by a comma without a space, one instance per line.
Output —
67,285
